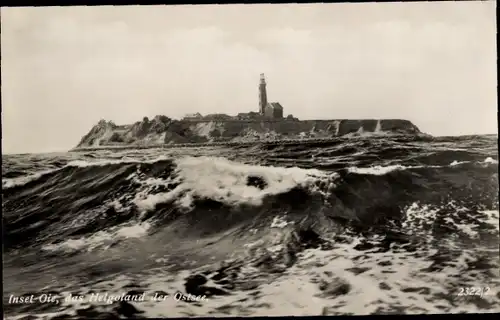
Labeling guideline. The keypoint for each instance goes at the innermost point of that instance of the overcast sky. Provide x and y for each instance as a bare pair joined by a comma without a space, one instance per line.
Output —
65,68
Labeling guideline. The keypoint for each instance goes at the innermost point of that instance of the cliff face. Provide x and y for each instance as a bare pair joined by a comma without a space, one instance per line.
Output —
163,130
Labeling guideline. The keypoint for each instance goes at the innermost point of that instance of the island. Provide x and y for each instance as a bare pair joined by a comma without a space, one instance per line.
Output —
266,125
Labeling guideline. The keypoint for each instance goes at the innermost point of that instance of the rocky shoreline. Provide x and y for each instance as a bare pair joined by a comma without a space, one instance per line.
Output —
163,131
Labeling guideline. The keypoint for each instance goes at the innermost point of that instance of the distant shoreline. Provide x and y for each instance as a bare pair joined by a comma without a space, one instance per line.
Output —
161,132
221,143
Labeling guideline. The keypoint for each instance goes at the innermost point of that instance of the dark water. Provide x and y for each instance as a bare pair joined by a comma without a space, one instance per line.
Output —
356,226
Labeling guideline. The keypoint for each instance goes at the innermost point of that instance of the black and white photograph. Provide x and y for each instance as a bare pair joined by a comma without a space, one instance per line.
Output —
249,160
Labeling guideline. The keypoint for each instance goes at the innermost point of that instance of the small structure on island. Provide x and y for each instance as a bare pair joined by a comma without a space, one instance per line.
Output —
273,110
193,116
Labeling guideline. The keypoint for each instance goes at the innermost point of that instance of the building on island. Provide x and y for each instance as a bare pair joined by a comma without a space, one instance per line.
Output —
268,111
252,115
193,116
272,110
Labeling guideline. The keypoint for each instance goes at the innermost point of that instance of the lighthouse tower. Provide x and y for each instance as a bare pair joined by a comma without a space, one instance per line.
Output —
262,94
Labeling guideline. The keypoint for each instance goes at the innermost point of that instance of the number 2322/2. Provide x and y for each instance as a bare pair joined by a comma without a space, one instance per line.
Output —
473,291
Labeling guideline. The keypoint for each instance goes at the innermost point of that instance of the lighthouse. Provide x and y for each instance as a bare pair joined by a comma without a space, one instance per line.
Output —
262,94
273,110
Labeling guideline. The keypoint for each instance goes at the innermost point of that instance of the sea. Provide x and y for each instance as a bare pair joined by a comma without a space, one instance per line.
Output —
387,224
